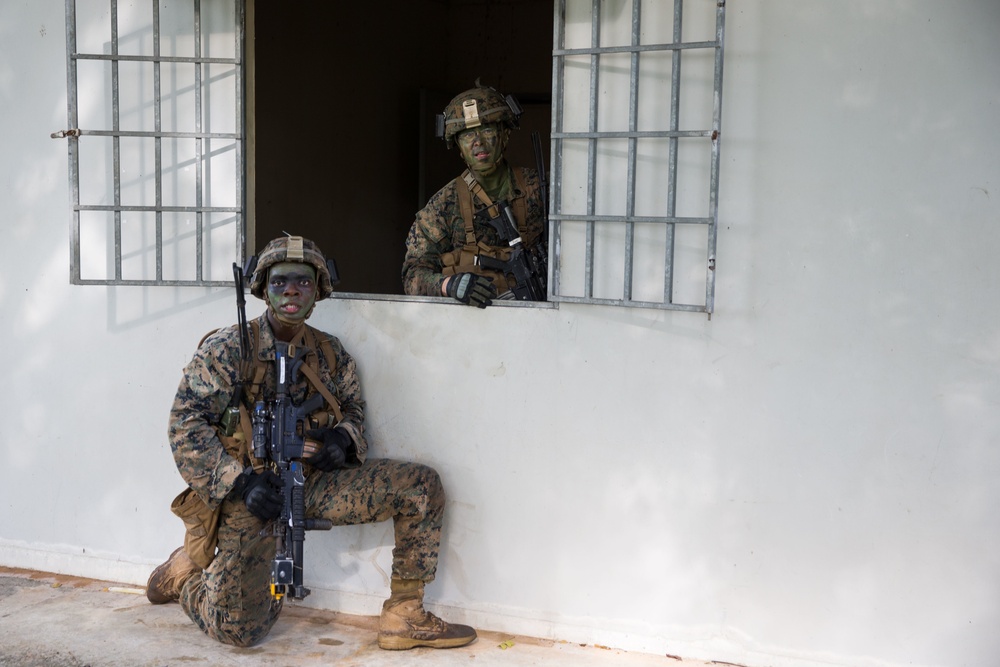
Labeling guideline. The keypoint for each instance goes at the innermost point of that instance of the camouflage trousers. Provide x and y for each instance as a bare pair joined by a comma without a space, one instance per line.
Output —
231,601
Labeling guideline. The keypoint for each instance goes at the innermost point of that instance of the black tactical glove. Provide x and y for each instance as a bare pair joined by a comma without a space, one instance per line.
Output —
261,493
472,289
332,451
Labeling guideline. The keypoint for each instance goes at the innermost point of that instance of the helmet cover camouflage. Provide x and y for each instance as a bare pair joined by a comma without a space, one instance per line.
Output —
291,249
474,107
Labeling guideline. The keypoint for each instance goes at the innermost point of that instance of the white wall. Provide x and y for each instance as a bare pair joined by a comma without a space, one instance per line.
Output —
808,478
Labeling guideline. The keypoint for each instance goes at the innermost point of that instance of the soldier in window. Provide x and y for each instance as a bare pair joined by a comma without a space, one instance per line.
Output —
482,236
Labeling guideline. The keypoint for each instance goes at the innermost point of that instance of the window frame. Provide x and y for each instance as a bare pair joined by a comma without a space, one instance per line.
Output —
593,136
243,212
115,134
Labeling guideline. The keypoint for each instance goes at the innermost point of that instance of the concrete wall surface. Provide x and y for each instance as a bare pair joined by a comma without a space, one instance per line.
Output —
808,478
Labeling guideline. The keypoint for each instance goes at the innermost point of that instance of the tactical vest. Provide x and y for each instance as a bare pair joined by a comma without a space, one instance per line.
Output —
254,370
466,258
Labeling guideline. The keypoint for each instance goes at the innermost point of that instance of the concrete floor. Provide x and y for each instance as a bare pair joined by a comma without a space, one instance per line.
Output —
51,620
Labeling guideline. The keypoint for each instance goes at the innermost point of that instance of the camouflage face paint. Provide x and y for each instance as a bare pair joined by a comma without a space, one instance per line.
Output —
482,148
291,291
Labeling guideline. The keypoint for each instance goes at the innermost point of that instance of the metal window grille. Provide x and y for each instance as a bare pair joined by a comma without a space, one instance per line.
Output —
155,141
635,187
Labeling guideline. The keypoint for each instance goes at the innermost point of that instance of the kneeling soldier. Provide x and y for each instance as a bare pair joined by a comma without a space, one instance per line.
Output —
222,576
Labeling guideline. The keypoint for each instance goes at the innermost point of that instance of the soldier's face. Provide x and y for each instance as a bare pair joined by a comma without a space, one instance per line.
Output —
482,147
291,290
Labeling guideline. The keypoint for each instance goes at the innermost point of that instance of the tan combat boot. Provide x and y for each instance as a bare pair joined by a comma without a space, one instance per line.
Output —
405,624
166,581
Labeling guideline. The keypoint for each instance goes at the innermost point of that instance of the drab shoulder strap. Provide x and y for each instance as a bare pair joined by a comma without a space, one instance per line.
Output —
314,340
465,206
253,376
473,188
331,360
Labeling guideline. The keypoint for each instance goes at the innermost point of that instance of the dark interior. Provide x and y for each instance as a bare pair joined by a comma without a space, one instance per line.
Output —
346,94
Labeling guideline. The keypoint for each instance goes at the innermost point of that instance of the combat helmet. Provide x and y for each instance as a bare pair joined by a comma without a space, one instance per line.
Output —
293,249
474,107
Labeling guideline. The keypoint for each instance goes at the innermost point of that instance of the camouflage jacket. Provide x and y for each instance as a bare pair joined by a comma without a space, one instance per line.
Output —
439,229
206,389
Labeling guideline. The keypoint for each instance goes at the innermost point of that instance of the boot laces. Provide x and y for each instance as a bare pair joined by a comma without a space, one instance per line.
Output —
418,618
430,622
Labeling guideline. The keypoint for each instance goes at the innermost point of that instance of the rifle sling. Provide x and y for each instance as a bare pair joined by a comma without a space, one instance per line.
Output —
465,204
311,339
321,388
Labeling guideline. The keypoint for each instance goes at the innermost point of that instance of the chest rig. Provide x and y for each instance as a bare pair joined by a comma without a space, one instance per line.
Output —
466,258
236,428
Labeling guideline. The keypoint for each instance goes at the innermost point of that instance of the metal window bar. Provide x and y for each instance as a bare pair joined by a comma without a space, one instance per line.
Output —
202,146
670,218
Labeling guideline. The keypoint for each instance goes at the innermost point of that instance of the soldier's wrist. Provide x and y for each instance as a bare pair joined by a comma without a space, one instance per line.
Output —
240,485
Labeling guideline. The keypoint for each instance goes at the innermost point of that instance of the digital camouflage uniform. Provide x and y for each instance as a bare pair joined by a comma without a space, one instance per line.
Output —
231,599
439,229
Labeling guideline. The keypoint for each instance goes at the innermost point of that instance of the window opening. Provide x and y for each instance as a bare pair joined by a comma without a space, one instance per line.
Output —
156,162
634,208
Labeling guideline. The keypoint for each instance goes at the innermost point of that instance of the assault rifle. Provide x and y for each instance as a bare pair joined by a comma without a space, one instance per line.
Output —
540,251
278,430
543,189
278,436
528,267
231,417
529,274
